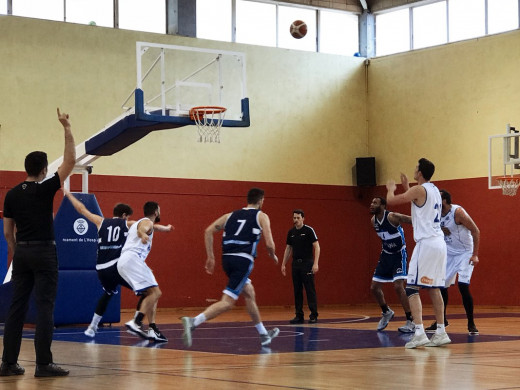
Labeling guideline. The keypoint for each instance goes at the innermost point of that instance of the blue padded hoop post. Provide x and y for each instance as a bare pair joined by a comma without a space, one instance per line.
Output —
133,127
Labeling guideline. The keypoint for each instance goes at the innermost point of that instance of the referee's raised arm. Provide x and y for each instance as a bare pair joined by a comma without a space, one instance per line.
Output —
69,153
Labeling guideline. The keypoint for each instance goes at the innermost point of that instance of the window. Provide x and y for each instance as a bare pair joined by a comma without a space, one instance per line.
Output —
502,15
268,24
339,33
149,15
98,12
3,7
466,19
393,32
256,23
429,25
287,15
53,9
442,21
214,20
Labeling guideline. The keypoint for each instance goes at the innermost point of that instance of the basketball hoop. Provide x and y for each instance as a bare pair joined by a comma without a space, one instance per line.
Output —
209,121
509,184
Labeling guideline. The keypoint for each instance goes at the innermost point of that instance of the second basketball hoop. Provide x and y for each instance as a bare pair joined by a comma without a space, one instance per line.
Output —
509,184
209,120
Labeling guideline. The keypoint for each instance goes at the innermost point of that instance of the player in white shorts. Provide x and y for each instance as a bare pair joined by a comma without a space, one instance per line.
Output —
133,269
462,238
427,268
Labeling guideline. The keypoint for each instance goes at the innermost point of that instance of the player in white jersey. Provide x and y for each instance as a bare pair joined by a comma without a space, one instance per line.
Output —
462,238
132,267
427,268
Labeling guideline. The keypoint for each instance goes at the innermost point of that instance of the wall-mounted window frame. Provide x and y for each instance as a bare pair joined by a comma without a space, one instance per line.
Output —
252,22
488,17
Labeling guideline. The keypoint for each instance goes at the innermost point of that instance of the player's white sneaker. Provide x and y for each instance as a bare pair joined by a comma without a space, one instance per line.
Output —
385,319
137,329
417,341
265,339
91,331
187,323
439,339
409,327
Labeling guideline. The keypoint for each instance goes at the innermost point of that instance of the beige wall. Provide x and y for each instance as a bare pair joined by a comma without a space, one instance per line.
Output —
442,103
308,110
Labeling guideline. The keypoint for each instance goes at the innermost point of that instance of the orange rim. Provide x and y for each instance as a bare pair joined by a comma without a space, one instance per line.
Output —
198,112
508,178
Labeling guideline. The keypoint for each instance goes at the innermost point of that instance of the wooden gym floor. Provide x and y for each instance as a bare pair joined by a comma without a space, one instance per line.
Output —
342,351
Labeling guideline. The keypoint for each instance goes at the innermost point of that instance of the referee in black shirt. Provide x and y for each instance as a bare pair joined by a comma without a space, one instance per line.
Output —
28,211
302,244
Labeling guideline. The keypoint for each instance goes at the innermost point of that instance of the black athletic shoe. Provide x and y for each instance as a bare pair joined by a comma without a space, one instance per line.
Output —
296,320
472,330
156,335
313,319
46,370
7,369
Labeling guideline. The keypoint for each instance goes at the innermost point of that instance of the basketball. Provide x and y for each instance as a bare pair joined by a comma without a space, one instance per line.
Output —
298,29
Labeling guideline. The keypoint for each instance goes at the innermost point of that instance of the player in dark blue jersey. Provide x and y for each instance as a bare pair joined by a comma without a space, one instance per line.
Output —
112,233
391,267
242,231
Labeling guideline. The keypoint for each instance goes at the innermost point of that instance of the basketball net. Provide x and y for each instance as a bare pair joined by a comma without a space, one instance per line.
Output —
209,121
509,184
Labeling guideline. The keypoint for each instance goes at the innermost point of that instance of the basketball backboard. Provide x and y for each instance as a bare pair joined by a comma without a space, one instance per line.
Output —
171,80
175,79
504,156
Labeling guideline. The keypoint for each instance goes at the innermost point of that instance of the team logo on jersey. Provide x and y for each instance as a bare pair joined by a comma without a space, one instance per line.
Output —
80,226
426,280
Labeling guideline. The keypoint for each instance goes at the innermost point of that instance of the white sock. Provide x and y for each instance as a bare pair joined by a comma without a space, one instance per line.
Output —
440,329
95,320
261,328
419,329
199,319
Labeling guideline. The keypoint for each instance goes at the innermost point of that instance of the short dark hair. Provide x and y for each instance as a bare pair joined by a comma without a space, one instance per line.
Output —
255,195
122,208
299,211
382,200
150,207
445,195
35,162
427,168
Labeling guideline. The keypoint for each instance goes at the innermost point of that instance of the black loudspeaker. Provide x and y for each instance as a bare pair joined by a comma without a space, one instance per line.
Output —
366,171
